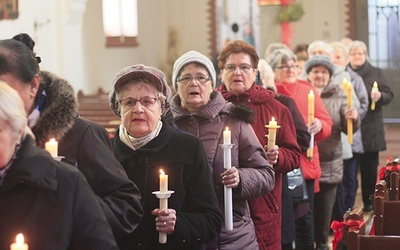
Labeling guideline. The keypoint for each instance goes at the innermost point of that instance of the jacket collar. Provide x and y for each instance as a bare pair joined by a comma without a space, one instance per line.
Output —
59,111
254,95
32,166
122,151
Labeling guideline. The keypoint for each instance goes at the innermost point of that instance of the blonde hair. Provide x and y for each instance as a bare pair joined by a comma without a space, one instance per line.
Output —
266,72
12,109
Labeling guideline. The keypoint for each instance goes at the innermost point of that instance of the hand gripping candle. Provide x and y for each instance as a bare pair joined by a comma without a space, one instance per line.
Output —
374,89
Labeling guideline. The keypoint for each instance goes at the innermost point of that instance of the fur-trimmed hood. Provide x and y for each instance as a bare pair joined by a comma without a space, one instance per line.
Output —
59,109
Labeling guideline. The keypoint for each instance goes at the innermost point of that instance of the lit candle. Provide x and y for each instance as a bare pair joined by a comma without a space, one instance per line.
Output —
374,89
19,243
52,147
163,182
162,237
227,191
227,136
272,127
348,89
311,108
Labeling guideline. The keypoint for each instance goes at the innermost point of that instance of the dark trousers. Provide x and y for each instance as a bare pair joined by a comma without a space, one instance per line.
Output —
305,225
350,182
368,166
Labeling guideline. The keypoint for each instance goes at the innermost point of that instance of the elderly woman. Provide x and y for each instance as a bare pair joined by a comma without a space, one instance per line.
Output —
319,70
373,134
202,111
49,202
284,63
144,143
238,62
52,109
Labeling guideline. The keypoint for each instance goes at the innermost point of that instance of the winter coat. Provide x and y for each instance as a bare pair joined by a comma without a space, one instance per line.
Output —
288,232
373,134
181,156
248,156
330,150
299,91
266,210
51,204
86,145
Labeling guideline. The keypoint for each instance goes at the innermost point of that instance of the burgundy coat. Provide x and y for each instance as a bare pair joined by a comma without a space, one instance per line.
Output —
266,210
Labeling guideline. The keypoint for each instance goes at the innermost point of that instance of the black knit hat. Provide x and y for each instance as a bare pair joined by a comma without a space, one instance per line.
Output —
319,60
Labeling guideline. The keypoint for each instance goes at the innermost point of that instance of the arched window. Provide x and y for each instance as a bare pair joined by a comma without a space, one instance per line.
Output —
383,35
120,22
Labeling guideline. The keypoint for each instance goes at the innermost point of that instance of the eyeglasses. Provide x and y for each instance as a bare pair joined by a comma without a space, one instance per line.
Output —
147,102
189,79
316,72
287,67
244,68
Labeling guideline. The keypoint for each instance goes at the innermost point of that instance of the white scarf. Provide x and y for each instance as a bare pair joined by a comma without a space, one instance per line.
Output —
136,143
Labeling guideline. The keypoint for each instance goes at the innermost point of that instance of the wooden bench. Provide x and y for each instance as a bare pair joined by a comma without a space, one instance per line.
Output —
387,207
96,108
357,241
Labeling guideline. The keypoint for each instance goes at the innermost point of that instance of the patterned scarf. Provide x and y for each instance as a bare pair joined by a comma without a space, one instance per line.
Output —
136,143
34,116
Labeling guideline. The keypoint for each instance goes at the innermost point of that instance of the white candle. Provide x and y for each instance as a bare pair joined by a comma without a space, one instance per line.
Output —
163,182
19,243
227,136
52,147
374,89
162,237
227,191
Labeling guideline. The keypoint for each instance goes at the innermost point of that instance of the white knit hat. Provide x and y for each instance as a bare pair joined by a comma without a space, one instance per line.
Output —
190,57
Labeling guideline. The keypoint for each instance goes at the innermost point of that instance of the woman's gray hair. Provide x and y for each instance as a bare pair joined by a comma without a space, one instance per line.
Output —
281,56
12,109
341,46
359,44
320,44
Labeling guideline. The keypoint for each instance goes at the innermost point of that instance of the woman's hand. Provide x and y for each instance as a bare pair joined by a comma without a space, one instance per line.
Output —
272,154
315,127
376,95
351,113
165,220
231,177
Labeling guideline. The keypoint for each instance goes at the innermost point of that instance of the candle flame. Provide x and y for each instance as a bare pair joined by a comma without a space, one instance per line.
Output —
162,172
311,92
226,129
273,119
19,239
52,140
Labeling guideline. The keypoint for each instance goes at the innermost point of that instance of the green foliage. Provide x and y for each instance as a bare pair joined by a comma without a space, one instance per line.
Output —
290,13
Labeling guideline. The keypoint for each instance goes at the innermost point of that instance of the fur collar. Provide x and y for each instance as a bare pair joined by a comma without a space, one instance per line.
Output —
59,110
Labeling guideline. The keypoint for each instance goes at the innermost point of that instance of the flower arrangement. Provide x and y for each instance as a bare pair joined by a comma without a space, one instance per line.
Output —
290,13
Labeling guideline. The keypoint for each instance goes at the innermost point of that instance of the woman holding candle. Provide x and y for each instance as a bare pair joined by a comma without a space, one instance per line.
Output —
238,62
48,201
50,103
319,70
284,64
202,111
372,131
144,143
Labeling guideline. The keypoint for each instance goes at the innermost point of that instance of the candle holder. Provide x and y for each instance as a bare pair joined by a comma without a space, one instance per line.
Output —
163,197
227,191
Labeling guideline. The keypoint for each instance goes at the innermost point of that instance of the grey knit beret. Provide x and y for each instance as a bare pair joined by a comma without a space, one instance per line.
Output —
319,60
190,57
155,76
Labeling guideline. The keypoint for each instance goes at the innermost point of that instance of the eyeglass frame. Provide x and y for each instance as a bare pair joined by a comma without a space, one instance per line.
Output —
286,68
149,107
190,79
241,67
